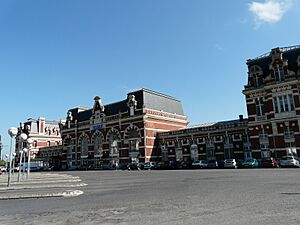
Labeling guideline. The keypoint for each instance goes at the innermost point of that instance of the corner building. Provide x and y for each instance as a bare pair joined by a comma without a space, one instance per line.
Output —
44,133
120,132
273,105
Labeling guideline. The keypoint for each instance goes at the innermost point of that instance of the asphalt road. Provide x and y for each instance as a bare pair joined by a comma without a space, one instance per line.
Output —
258,196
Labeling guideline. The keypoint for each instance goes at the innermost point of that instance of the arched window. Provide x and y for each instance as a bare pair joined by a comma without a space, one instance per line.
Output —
84,147
98,150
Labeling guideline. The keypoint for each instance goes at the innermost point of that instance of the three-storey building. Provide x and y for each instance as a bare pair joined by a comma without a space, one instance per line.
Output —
272,98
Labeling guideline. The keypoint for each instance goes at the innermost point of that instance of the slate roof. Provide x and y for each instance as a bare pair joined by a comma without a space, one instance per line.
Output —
289,53
145,99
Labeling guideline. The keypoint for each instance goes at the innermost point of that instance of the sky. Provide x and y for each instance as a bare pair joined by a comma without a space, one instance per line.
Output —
59,54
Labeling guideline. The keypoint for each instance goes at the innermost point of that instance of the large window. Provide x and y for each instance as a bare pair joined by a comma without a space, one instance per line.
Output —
260,108
283,103
98,151
84,147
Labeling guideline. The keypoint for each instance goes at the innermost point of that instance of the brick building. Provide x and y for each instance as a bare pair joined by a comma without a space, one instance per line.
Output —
44,133
272,98
211,141
124,131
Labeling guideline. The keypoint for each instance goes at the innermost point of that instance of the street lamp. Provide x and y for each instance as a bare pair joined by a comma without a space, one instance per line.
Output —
29,141
12,133
25,150
13,162
6,160
23,137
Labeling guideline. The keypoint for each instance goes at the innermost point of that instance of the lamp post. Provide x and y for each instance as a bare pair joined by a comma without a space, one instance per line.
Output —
13,162
12,133
29,141
6,160
20,164
23,138
25,150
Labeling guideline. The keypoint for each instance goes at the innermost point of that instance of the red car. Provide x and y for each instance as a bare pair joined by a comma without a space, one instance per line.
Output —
269,163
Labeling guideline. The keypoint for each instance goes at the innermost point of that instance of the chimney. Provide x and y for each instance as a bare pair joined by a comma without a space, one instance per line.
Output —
241,118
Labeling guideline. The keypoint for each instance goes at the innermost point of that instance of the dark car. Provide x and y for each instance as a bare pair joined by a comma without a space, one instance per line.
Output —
213,164
132,166
220,164
163,166
269,163
121,166
183,165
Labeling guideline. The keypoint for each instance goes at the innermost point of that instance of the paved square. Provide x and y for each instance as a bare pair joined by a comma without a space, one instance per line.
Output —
258,196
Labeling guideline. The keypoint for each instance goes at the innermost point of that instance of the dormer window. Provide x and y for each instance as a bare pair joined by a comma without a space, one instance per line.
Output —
279,73
257,75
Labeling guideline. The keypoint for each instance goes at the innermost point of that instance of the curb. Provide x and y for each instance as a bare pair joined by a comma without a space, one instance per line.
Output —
68,193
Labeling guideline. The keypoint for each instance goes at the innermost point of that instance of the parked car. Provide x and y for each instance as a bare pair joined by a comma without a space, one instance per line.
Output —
289,161
141,166
199,164
164,166
269,163
183,165
2,169
150,165
230,163
220,164
212,164
250,163
132,166
121,166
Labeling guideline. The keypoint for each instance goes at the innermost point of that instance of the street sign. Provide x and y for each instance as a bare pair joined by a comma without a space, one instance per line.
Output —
95,127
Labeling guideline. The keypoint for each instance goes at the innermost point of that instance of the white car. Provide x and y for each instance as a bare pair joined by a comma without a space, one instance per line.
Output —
289,161
230,163
150,165
2,169
199,164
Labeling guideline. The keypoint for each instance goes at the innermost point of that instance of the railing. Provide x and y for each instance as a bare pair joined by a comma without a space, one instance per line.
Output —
288,135
285,115
263,138
261,118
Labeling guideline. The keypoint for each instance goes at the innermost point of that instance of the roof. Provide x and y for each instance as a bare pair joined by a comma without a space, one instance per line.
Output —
282,49
290,53
205,126
221,123
145,99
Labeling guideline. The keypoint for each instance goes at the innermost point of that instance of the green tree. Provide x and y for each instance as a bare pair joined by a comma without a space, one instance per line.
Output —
2,162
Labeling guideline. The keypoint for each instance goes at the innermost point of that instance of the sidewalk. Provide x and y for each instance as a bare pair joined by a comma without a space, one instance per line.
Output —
40,185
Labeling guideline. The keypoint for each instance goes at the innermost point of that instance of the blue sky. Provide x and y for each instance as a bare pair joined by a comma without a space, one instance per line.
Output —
58,54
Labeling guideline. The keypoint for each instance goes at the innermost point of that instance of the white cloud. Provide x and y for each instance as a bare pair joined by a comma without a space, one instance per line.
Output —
270,11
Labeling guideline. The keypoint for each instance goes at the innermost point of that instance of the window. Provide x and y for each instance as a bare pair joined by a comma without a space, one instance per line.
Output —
248,155
260,109
84,147
258,81
279,73
98,151
283,103
290,144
